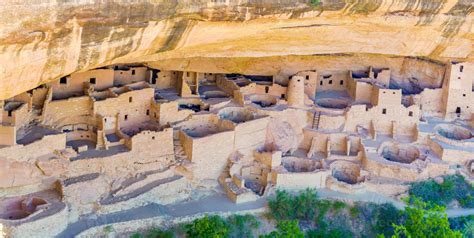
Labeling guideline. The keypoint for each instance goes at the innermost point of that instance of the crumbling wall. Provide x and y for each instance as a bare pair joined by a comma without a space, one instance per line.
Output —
39,96
430,101
228,86
19,116
250,135
62,112
25,98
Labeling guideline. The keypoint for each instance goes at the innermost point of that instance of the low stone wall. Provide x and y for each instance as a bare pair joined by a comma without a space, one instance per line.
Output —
300,180
460,143
389,169
36,149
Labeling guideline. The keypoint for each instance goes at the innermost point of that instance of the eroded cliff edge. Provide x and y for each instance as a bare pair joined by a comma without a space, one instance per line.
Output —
44,39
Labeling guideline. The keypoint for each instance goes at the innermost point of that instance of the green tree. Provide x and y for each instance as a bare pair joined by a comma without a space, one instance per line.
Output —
424,220
208,227
286,229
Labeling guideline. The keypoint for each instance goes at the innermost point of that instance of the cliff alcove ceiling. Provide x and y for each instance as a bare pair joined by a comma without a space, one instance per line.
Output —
41,41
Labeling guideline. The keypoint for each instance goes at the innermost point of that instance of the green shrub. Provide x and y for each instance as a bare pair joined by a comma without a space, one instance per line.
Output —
315,2
354,211
108,229
289,207
453,188
243,225
209,227
338,205
286,229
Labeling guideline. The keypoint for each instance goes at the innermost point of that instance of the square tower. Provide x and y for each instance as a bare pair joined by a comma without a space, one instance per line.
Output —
457,91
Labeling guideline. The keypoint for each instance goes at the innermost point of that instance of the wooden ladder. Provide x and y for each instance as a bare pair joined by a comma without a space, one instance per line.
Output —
316,120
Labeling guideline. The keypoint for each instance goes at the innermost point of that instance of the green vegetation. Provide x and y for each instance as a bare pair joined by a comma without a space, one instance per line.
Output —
326,218
108,229
453,188
290,207
235,226
208,226
306,215
315,2
286,229
424,220
242,225
464,224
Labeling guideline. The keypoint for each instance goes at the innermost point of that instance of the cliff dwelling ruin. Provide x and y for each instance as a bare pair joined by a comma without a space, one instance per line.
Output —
132,132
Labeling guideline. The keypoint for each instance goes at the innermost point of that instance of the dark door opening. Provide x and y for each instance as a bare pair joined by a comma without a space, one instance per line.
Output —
154,76
458,110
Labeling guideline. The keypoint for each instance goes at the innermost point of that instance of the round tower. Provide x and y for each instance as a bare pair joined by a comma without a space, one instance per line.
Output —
296,91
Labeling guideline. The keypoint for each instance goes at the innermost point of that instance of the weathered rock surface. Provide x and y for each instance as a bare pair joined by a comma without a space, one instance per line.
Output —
42,40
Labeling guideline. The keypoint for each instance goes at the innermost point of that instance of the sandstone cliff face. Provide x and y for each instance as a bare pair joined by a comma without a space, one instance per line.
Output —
42,40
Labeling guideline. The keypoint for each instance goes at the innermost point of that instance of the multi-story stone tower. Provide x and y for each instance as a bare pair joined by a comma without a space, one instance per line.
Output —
457,91
296,91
